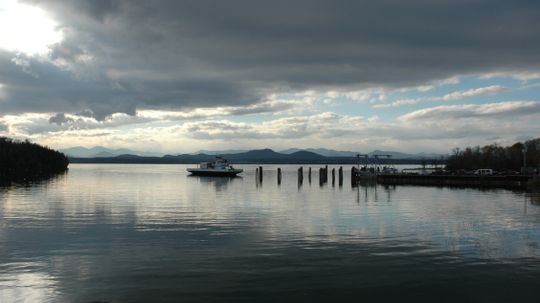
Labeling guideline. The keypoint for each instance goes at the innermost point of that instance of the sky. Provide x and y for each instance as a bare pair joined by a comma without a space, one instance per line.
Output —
184,75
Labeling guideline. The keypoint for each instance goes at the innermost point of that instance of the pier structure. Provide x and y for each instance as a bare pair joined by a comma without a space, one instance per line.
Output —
502,181
358,178
387,168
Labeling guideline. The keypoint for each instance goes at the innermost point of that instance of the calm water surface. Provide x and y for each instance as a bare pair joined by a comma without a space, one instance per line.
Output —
151,233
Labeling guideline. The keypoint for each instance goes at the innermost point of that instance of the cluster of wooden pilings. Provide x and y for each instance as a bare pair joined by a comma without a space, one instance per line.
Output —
513,181
323,175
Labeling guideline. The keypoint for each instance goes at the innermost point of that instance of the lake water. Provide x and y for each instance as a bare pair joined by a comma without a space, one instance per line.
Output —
151,233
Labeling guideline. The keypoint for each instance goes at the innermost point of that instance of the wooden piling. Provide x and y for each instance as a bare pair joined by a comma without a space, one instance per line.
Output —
333,176
300,175
354,177
340,173
325,173
309,175
260,174
279,176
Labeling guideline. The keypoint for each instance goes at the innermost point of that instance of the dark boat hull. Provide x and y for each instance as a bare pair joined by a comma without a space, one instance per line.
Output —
215,173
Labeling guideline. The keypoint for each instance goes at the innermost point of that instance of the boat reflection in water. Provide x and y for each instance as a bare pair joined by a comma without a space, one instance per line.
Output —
218,182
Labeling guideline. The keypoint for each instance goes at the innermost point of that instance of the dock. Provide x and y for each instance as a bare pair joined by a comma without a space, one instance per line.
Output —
518,182
502,181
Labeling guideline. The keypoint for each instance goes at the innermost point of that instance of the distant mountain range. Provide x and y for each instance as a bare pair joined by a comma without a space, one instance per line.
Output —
262,156
103,152
322,151
398,155
394,155
219,152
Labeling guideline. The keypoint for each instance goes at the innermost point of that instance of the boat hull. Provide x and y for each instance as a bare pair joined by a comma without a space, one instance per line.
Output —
214,172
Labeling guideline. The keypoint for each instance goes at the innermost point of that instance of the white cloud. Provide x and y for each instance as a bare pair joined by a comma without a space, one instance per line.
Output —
457,95
359,95
397,103
450,81
425,88
274,105
3,128
38,123
332,130
501,110
433,129
29,124
517,75
481,91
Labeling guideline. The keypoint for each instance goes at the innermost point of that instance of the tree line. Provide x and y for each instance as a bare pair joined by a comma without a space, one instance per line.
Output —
24,161
496,157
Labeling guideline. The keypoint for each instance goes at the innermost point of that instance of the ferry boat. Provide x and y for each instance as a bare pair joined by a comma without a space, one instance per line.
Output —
220,168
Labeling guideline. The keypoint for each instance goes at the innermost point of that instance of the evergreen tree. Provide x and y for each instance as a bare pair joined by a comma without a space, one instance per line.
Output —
24,161
496,157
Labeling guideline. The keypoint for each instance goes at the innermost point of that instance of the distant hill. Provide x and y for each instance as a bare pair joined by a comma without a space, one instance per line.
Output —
307,155
102,152
394,155
322,151
259,156
219,152
233,154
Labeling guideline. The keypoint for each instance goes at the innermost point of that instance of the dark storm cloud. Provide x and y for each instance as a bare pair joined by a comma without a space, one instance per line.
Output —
59,119
42,86
177,54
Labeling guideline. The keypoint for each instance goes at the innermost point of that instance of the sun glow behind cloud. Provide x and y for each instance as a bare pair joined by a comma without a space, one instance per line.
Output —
26,29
